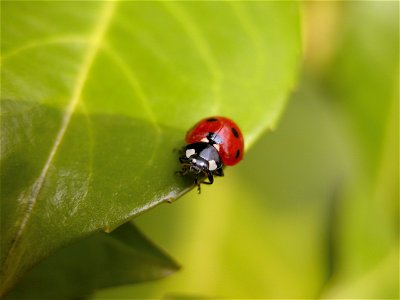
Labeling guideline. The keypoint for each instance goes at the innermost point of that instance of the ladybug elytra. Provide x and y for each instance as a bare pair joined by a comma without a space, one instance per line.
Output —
213,143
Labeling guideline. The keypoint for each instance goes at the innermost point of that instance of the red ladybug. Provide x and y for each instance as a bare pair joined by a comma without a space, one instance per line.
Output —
212,143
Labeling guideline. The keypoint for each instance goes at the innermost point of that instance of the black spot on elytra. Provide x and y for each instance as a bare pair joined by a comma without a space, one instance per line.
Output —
235,133
212,120
237,154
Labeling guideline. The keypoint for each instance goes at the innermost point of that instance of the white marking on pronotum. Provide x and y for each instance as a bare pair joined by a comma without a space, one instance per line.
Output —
190,152
194,160
205,140
212,165
216,146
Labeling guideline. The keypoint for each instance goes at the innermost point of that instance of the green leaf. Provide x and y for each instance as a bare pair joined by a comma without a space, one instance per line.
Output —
96,95
265,225
102,260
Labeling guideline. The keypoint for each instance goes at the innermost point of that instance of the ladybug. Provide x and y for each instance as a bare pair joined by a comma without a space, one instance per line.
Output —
213,143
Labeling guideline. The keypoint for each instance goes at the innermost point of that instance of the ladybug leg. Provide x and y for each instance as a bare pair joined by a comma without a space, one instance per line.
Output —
210,181
196,181
210,178
219,172
181,173
180,151
183,159
184,171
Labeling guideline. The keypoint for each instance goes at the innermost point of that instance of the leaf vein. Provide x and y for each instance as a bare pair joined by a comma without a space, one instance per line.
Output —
135,85
96,38
194,33
251,30
54,40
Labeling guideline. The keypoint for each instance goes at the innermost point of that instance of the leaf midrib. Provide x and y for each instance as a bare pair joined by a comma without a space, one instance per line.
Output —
96,39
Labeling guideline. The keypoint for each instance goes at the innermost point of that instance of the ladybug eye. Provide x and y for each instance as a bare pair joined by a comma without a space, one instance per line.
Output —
235,133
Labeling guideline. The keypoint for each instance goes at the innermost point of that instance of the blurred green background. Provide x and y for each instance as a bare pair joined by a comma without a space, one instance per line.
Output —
312,211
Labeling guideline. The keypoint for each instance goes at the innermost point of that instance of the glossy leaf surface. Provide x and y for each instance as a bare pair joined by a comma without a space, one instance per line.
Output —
96,95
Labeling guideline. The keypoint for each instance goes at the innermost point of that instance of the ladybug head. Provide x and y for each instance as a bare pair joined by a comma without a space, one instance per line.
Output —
200,158
198,164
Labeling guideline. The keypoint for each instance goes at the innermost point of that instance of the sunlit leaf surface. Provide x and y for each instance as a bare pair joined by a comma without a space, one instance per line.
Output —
95,97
